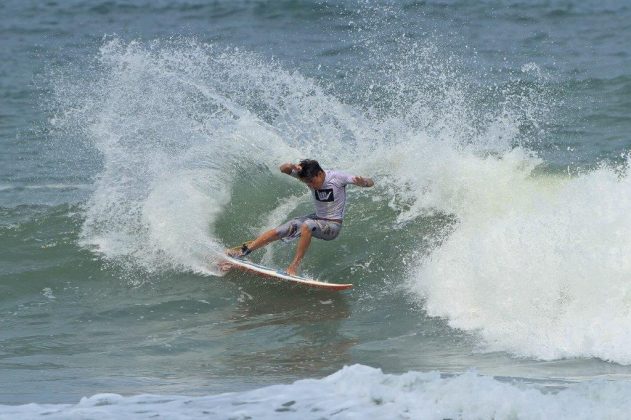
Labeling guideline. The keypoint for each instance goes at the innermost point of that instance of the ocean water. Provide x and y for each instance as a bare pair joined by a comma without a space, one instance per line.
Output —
490,261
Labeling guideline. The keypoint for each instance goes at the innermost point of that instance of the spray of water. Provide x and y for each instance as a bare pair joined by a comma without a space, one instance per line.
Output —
535,264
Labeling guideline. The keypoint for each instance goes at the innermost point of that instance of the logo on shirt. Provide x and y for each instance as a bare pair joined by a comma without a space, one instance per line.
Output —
324,195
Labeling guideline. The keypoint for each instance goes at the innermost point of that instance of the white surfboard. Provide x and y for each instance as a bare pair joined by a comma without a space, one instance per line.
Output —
272,274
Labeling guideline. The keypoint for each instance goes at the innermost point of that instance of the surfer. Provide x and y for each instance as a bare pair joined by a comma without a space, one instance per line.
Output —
329,195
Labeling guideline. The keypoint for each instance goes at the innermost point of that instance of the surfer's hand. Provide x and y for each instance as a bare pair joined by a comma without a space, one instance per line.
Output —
363,182
290,168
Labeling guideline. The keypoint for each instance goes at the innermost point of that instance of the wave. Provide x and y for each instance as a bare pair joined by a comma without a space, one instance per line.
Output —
362,391
177,125
191,136
63,187
537,266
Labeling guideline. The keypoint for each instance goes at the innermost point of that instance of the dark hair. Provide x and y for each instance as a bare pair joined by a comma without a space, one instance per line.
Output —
310,169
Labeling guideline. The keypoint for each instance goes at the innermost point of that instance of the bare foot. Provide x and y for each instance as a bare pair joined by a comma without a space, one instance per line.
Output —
237,251
224,266
292,270
233,252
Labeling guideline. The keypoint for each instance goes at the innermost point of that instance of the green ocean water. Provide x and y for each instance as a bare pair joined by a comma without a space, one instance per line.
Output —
140,139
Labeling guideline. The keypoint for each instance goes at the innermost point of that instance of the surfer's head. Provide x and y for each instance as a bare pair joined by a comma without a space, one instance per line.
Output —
311,173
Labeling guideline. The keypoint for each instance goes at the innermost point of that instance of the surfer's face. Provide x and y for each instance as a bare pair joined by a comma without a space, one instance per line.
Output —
315,182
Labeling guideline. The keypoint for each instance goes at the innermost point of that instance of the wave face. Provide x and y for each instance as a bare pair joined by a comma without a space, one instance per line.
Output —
531,260
178,123
363,392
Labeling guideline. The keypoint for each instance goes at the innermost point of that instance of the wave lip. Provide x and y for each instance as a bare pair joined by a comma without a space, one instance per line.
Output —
544,276
364,392
181,126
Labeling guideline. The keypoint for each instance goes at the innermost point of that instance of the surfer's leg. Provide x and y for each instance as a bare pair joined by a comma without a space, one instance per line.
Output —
288,231
325,229
303,245
245,249
264,239
285,231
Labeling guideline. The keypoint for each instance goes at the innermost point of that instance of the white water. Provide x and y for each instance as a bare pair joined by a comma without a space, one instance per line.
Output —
535,264
175,124
539,267
362,392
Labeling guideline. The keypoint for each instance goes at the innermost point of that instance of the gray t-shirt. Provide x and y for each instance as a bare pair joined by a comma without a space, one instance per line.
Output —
330,198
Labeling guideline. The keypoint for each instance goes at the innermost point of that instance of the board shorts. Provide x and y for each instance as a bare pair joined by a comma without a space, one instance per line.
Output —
320,228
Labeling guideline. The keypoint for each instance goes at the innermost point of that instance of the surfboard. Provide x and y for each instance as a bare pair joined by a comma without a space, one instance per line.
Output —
272,274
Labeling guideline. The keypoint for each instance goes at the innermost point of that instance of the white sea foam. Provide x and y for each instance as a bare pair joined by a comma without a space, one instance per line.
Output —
534,264
47,292
175,124
537,266
45,187
362,392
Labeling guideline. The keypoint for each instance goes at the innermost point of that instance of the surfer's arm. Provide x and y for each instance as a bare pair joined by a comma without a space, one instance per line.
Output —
290,169
361,181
